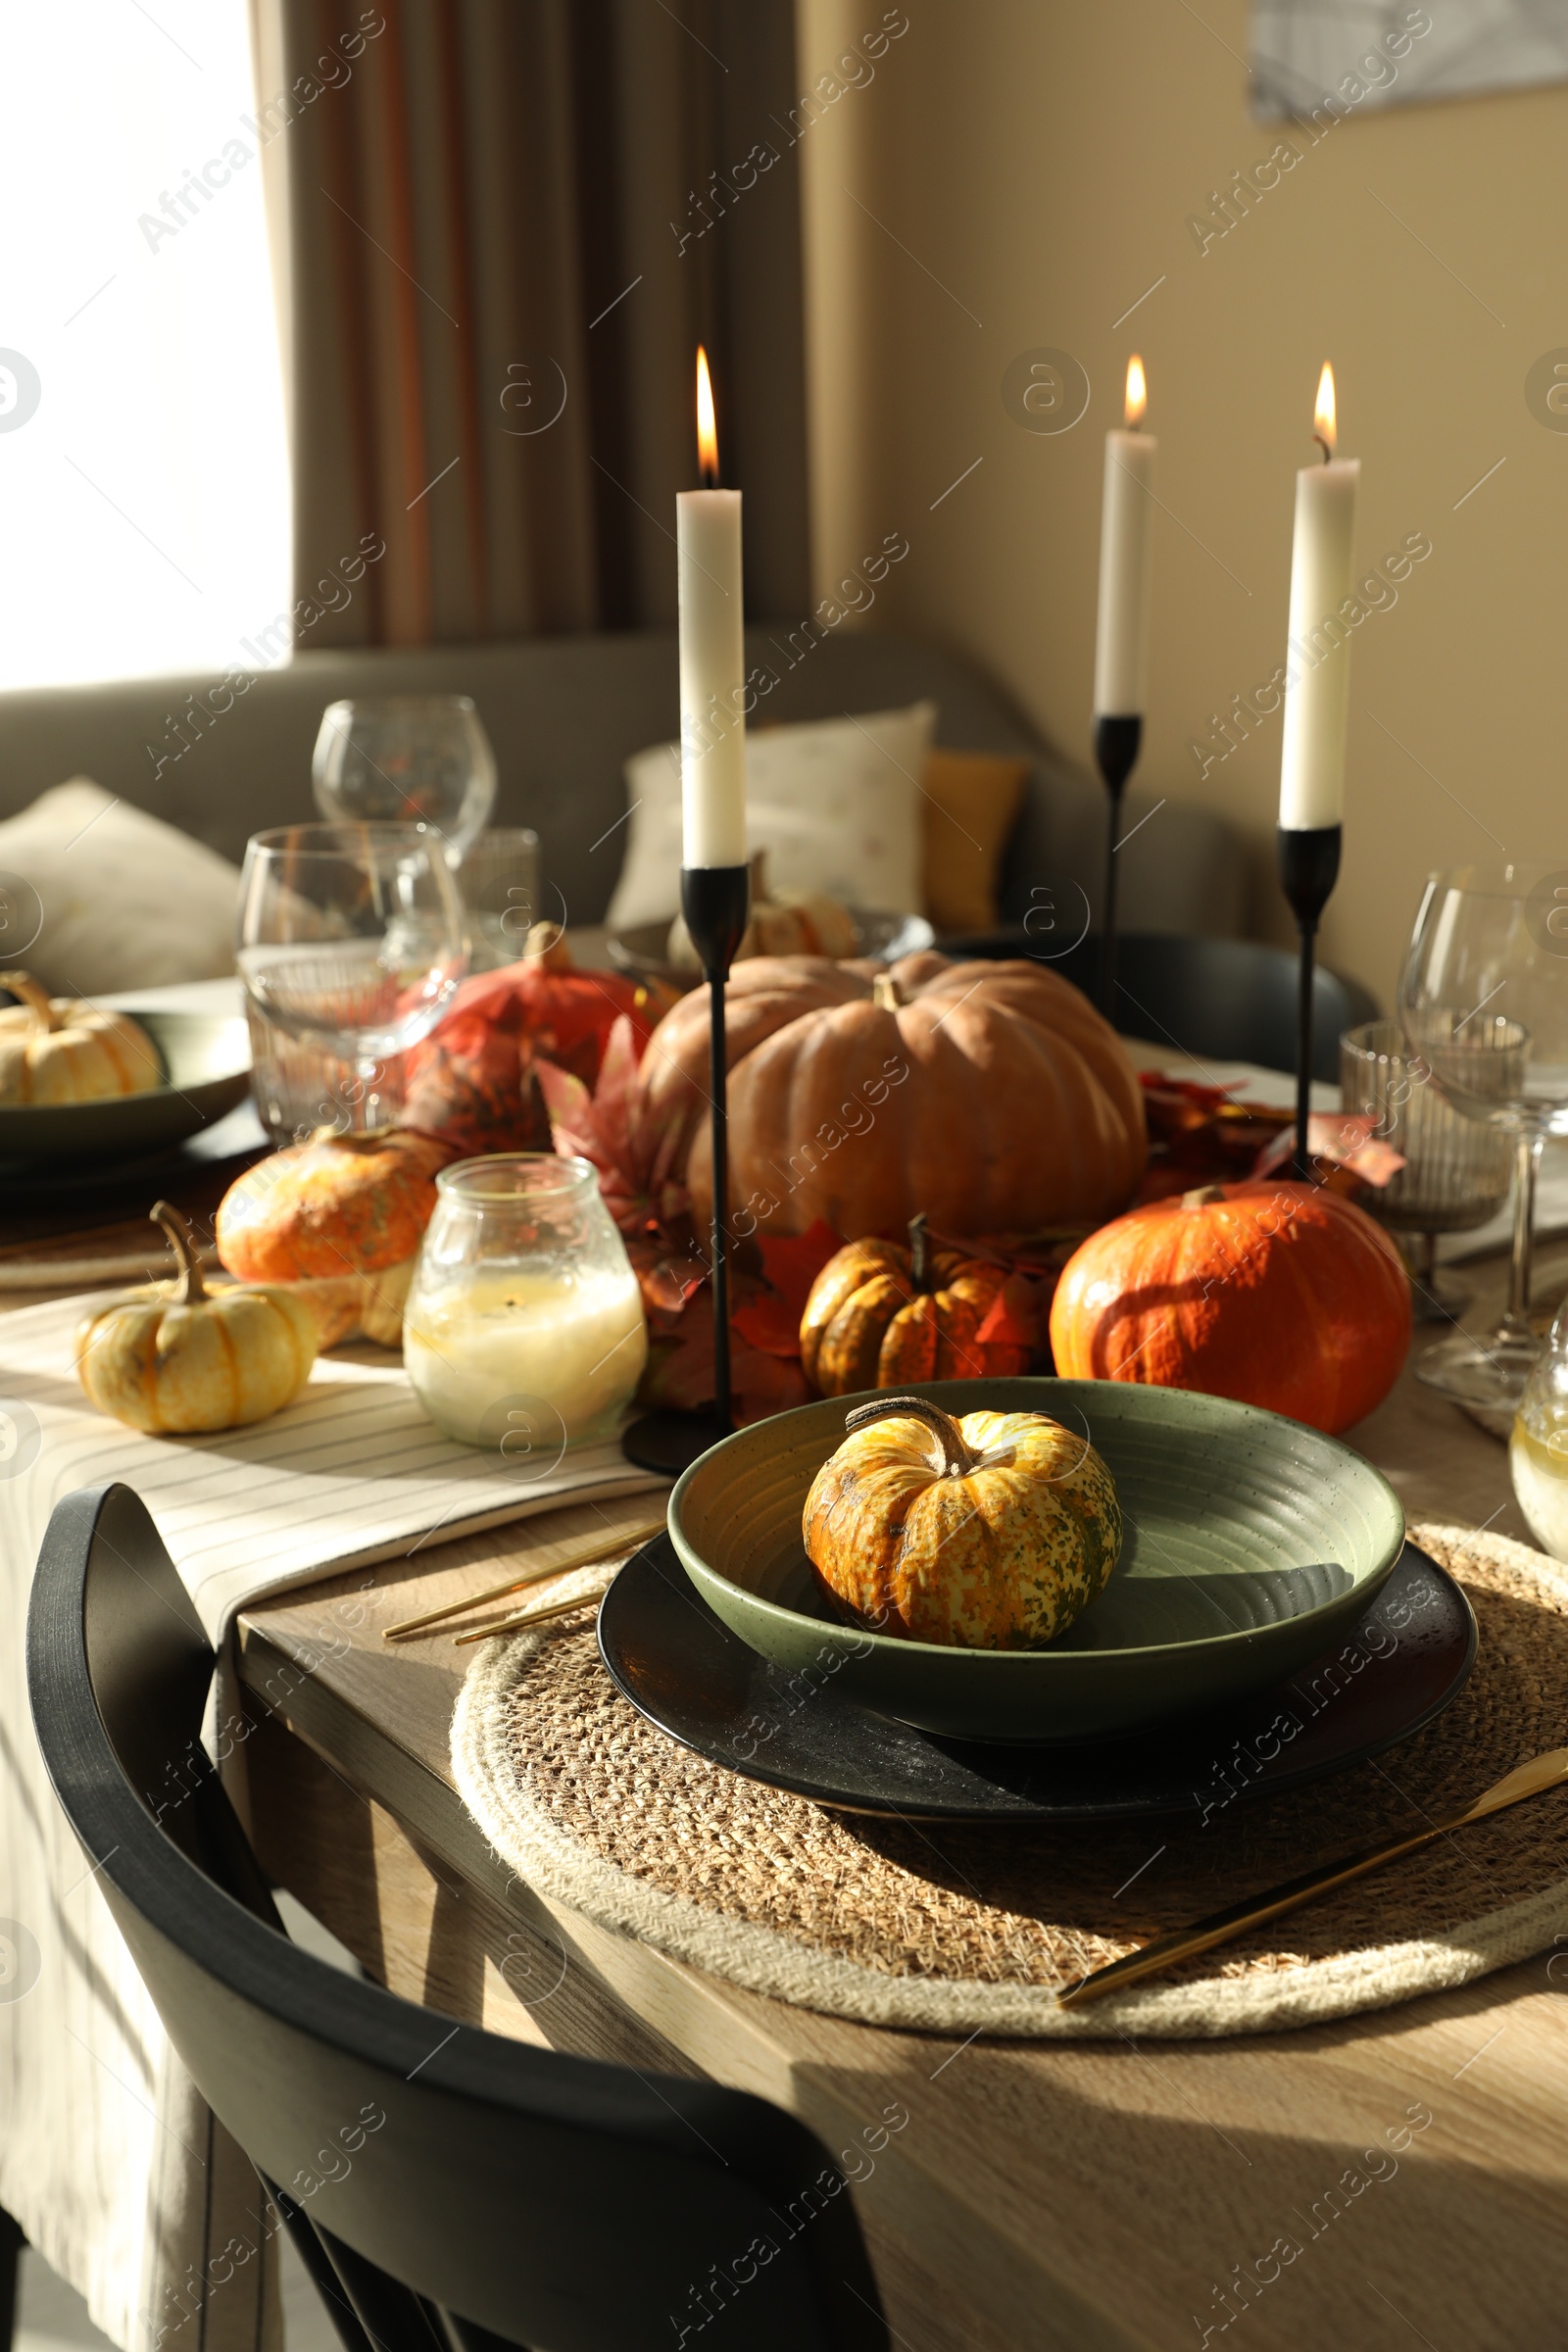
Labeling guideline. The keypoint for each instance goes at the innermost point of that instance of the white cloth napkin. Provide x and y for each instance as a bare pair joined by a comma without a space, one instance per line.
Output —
113,2168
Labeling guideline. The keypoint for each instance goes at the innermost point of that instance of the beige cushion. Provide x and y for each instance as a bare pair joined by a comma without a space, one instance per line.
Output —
95,895
835,803
969,810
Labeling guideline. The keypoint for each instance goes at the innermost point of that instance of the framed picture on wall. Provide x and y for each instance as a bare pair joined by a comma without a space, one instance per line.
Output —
1349,56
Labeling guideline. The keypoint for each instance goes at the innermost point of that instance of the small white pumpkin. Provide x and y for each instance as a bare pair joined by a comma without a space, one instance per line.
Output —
181,1357
58,1049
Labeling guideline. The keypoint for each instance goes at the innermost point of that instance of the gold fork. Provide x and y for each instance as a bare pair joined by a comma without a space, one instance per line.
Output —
1221,1927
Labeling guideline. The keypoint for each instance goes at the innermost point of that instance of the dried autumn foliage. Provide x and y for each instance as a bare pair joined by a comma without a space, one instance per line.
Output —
631,1141
472,1081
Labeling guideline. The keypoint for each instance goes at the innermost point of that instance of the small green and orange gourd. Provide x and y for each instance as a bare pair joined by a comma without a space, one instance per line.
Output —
994,1530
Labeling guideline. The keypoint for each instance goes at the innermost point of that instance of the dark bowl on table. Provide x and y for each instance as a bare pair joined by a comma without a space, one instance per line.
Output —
204,1061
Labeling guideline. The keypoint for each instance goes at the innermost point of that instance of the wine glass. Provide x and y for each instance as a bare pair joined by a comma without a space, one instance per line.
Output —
1456,1173
352,938
1484,1000
420,760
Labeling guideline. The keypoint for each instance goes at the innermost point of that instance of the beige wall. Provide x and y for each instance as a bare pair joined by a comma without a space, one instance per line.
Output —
1036,162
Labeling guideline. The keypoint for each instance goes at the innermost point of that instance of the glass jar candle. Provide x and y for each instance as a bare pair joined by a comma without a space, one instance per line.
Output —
1538,1451
524,1311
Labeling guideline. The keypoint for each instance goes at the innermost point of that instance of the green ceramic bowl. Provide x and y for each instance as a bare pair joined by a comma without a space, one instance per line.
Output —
1251,1542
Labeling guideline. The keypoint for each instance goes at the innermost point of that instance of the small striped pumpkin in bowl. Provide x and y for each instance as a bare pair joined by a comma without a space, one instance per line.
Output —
993,1531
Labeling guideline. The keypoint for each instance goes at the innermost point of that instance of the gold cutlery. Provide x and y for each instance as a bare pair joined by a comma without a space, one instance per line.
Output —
601,1549
1526,1779
515,1625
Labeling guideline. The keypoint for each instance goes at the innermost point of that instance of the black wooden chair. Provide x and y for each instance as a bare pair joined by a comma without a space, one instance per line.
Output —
12,2243
1221,1000
509,2193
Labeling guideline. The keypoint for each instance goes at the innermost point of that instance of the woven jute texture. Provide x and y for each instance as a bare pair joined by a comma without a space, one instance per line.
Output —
958,1929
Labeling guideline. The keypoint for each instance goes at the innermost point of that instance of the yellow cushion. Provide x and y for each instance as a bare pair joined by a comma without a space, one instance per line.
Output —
970,800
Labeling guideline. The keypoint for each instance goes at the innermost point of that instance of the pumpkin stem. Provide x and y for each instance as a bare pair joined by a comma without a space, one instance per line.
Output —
1202,1197
759,876
192,1290
37,1000
348,1139
547,946
957,1459
885,993
920,1252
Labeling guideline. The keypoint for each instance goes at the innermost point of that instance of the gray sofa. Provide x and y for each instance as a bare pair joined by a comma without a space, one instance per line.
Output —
563,713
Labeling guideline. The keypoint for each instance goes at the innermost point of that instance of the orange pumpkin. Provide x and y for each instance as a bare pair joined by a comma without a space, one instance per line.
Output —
336,1205
1280,1295
879,1316
991,1094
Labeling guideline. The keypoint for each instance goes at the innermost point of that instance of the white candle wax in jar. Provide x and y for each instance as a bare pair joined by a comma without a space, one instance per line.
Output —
1121,639
523,1331
712,657
1317,692
579,1345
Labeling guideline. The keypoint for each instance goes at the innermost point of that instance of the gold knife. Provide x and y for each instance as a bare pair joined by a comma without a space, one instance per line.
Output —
587,1556
1221,1927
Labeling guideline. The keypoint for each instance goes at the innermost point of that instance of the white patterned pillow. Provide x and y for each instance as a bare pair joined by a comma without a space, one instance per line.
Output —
835,803
110,898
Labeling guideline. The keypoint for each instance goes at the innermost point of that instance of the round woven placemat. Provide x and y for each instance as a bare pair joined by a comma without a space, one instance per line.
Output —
958,1929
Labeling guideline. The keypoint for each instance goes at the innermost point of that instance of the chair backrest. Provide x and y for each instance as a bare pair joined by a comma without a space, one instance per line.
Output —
1224,1000
552,2201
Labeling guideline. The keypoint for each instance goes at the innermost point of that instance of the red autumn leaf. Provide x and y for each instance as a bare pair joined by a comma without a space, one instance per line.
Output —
680,1374
471,1081
768,1322
792,1262
1014,1317
633,1146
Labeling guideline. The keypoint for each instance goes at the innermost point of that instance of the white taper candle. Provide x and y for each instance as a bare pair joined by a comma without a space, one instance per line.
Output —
1318,656
1121,640
712,657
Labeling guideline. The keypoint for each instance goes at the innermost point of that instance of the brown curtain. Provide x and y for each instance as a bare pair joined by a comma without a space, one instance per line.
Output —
502,228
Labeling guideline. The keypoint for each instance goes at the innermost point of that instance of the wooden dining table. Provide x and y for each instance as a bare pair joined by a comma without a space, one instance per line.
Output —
1094,2197
1107,2194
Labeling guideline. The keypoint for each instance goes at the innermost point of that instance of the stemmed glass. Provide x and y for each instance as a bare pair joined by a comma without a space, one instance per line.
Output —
1456,1173
419,760
352,938
1484,1000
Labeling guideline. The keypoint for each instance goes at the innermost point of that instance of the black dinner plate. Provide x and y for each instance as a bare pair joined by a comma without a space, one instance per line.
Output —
1401,1664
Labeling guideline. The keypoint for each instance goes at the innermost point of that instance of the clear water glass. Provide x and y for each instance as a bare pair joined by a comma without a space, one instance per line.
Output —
420,760
352,938
1456,1171
498,879
1484,1002
524,1327
298,1089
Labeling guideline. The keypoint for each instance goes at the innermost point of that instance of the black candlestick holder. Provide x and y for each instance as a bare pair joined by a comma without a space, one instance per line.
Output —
716,903
1116,743
1309,867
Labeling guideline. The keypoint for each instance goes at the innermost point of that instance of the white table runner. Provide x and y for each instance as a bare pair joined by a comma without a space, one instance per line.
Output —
109,2162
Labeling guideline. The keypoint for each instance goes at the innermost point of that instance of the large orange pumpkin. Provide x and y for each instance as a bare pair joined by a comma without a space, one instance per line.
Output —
991,1094
1281,1294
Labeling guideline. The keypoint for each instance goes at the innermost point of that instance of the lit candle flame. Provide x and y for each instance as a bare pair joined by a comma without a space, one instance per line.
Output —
1323,415
707,430
1137,392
